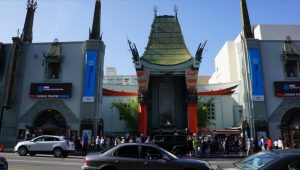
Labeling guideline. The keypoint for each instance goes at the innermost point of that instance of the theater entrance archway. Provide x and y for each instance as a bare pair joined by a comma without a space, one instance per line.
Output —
290,128
50,122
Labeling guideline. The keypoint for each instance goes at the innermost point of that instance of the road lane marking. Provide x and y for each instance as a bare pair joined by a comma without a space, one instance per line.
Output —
62,163
19,169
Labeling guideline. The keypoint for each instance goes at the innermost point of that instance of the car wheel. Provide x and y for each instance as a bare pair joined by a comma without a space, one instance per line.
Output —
22,151
57,152
31,153
65,155
108,168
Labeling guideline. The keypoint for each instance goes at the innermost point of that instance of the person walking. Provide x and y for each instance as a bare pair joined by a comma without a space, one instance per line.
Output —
269,144
261,143
248,146
226,146
97,143
85,143
275,143
280,144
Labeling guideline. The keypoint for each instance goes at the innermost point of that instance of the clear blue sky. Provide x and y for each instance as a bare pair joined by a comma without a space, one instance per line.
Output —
214,20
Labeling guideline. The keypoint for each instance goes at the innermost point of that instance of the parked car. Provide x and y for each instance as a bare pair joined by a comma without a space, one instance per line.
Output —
137,156
177,144
271,160
59,146
3,164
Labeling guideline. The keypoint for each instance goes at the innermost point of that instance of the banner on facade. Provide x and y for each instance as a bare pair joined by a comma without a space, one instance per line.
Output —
191,78
143,80
256,74
50,90
287,88
90,76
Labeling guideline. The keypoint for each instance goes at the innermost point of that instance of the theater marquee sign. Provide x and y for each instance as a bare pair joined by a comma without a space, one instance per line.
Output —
287,88
50,90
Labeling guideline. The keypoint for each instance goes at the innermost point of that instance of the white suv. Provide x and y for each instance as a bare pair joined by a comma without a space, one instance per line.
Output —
58,145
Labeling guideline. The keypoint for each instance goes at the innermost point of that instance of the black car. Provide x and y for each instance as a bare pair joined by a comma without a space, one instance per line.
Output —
271,160
177,144
137,156
3,164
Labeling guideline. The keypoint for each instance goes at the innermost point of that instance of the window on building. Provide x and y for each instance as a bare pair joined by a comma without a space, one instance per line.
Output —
53,61
53,70
211,112
291,68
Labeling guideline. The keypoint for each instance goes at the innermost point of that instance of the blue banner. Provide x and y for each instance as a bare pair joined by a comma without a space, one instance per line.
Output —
90,76
256,74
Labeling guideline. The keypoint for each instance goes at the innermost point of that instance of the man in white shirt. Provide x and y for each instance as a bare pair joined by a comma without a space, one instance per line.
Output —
275,143
279,143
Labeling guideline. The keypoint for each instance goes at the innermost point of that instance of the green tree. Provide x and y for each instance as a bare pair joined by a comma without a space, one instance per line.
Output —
129,113
202,111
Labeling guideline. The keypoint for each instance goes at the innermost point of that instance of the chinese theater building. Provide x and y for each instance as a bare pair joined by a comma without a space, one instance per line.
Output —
50,88
167,79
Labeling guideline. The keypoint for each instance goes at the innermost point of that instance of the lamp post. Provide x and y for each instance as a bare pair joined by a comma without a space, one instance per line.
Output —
222,112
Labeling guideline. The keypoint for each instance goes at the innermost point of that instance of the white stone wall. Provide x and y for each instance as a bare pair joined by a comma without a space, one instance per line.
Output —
225,65
111,118
224,106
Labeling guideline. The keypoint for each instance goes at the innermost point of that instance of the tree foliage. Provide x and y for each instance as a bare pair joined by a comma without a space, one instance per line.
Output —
129,113
202,111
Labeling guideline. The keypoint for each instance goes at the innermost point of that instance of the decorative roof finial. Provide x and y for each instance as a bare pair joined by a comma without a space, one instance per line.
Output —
26,35
155,10
31,4
175,10
246,25
95,32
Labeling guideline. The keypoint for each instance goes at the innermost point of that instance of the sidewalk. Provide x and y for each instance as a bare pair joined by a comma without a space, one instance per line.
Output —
203,155
221,155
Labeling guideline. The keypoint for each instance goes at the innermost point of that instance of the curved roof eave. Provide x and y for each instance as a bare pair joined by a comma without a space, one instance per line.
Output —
181,66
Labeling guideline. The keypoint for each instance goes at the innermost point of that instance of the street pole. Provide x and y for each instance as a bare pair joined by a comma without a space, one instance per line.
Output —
222,112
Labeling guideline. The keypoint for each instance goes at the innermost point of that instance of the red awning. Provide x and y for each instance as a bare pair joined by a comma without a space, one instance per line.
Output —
226,91
227,132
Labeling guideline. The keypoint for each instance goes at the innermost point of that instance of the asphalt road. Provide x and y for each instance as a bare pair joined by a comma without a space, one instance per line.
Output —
42,162
48,162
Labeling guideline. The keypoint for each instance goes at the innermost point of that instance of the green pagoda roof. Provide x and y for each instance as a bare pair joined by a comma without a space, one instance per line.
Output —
166,44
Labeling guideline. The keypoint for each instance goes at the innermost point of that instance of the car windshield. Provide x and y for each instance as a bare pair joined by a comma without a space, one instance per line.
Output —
256,161
170,154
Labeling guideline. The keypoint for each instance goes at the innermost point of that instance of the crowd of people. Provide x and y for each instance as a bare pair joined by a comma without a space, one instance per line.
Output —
101,143
195,144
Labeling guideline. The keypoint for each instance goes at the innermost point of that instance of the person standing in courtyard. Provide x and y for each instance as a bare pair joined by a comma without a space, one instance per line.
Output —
97,143
248,145
275,143
261,143
269,144
85,143
280,144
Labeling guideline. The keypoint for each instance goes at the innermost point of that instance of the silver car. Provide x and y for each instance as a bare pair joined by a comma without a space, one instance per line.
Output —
138,156
59,146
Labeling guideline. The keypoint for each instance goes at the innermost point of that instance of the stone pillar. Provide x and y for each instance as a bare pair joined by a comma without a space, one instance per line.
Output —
192,118
143,119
